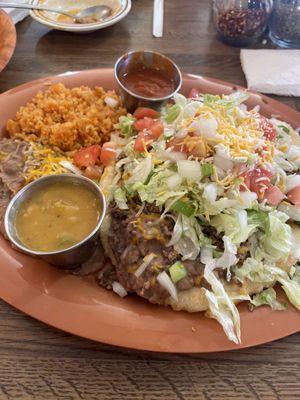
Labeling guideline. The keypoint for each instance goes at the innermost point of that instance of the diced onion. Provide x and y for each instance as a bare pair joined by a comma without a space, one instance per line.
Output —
291,182
206,255
191,108
172,155
243,219
111,102
144,265
223,163
181,133
210,192
177,232
165,281
173,181
119,289
189,169
70,167
222,158
205,126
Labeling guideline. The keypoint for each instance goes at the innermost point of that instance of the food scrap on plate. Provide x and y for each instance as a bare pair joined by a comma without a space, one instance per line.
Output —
203,194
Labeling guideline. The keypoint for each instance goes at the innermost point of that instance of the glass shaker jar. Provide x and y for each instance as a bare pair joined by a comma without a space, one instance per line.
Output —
241,22
284,23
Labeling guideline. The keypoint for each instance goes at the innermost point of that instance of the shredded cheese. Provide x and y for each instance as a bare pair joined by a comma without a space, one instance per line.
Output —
242,136
42,161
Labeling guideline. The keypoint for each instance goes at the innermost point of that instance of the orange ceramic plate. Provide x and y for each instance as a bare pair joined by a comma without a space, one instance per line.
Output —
80,307
7,38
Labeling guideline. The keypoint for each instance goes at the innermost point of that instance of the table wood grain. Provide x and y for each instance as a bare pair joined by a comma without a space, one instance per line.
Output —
38,362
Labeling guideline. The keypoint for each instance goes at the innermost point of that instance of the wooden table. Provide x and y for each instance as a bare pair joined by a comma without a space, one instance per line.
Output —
38,362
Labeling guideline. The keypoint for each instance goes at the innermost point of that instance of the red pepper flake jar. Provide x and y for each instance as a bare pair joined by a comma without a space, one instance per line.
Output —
241,22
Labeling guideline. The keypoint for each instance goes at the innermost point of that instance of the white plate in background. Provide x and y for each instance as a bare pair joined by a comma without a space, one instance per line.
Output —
121,9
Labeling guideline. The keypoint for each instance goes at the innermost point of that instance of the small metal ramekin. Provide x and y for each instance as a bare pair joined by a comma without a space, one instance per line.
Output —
71,256
144,58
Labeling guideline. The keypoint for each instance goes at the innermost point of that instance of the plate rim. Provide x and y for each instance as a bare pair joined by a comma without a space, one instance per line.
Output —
122,343
13,35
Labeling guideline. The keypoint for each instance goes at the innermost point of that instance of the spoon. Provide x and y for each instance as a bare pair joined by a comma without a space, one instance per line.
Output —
85,16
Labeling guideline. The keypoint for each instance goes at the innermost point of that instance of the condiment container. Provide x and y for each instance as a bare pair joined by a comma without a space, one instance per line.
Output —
241,22
284,23
71,256
144,59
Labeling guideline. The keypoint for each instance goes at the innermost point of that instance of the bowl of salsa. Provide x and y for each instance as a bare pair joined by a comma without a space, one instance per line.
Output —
146,78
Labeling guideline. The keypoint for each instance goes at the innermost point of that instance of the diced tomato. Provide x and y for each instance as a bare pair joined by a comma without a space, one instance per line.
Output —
260,181
193,93
142,112
294,196
142,142
108,153
257,180
145,123
273,195
268,128
87,157
93,172
156,130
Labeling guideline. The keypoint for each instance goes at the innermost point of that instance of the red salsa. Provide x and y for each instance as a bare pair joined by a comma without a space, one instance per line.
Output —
148,82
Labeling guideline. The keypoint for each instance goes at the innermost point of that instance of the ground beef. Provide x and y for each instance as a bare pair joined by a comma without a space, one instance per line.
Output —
107,275
132,237
12,161
195,270
215,237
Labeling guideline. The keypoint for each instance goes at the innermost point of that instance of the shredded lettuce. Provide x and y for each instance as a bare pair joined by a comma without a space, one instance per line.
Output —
207,170
191,109
141,171
187,237
180,99
184,207
256,271
258,218
267,297
221,307
189,169
228,258
234,225
228,101
156,190
277,240
120,199
291,286
171,113
215,207
126,124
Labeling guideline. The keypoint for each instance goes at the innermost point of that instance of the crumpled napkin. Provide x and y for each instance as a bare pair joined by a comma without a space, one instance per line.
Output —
17,15
272,71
